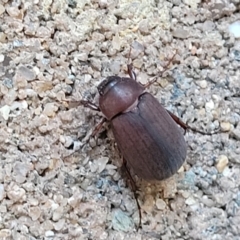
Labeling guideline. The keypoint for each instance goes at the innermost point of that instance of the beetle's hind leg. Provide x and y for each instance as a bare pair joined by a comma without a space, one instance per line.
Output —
186,127
134,189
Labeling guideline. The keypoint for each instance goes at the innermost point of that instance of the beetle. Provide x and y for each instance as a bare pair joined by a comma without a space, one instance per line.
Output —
146,134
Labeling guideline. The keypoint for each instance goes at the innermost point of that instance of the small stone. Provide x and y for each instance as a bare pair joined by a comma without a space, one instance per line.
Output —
222,162
57,214
16,193
234,28
192,3
43,32
2,192
68,141
2,9
144,26
59,225
161,205
26,73
225,126
236,132
35,213
15,12
50,109
5,234
3,37
49,233
180,33
202,84
116,42
209,105
5,110
1,58
190,201
20,171
148,204
102,162
122,222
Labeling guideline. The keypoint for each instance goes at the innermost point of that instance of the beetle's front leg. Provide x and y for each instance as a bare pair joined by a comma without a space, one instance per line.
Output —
90,105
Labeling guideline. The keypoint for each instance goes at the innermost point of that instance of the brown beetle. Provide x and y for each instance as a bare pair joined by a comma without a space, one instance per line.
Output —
147,135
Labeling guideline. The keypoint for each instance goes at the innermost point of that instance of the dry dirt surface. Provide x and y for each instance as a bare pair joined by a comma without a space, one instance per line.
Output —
53,53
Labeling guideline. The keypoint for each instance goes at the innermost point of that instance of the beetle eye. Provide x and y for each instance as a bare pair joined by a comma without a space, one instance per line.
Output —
107,84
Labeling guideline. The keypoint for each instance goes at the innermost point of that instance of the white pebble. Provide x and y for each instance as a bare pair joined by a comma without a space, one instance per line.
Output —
209,105
161,205
234,28
49,233
222,162
190,201
1,57
5,110
2,192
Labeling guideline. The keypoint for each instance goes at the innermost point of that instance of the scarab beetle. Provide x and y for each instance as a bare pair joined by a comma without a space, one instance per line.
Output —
147,135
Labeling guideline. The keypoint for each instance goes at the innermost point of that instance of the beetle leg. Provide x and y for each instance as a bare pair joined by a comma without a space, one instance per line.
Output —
131,73
96,130
186,126
134,189
161,73
90,105
98,127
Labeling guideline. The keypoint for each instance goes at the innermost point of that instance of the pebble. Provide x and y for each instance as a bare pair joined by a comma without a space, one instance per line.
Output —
5,233
20,171
161,205
209,105
234,28
2,9
225,126
5,110
190,201
1,58
2,192
222,162
148,204
236,132
180,33
35,212
50,109
16,193
57,214
59,224
121,222
49,233
99,165
202,84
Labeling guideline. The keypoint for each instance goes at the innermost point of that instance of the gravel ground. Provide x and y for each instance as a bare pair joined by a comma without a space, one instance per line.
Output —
52,186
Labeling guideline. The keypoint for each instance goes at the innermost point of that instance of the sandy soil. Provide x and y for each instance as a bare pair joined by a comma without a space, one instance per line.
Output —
52,186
